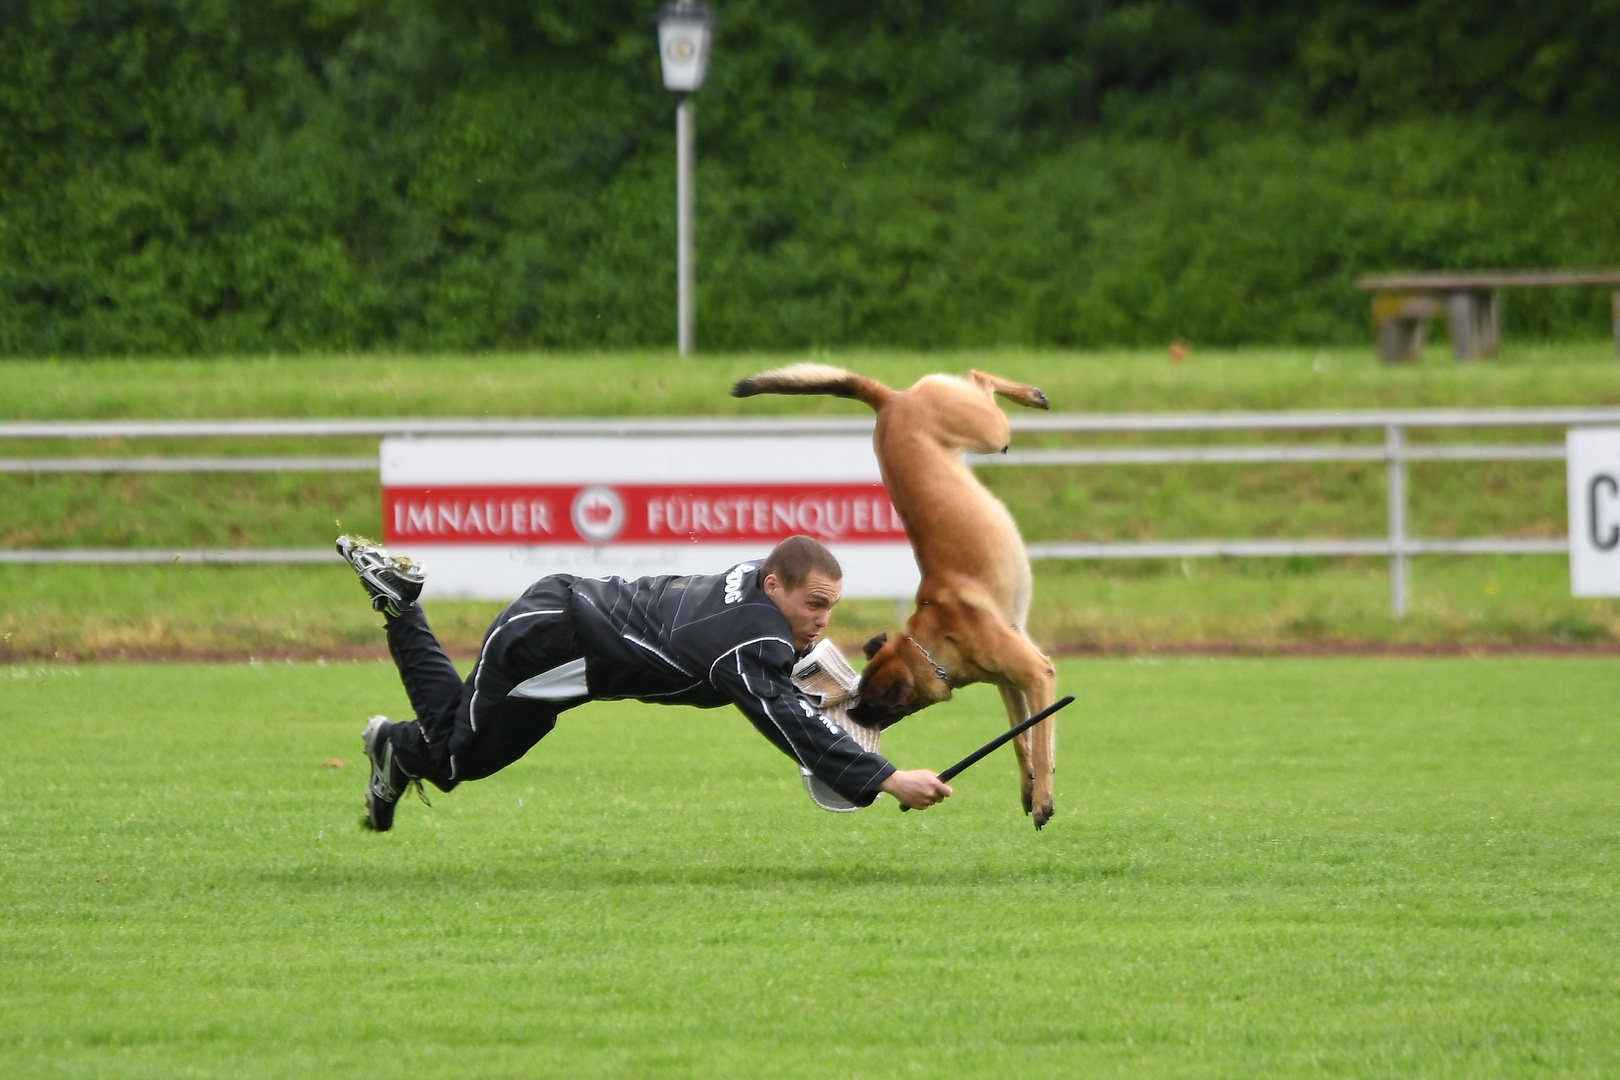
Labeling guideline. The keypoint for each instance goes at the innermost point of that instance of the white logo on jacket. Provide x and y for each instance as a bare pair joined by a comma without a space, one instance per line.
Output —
734,581
811,714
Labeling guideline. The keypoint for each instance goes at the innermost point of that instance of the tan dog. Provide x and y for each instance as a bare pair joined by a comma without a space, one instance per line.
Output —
976,582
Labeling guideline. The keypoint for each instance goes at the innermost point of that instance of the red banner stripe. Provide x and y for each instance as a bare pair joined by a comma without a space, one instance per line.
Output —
639,513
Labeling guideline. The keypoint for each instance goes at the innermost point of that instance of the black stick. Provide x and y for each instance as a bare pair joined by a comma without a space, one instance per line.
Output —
1000,740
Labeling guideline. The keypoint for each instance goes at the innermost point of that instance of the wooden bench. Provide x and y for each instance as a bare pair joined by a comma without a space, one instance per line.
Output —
1403,304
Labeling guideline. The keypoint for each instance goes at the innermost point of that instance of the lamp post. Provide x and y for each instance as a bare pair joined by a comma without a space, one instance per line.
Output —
685,29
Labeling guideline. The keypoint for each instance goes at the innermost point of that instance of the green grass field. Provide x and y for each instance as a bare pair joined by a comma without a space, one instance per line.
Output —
661,383
1259,868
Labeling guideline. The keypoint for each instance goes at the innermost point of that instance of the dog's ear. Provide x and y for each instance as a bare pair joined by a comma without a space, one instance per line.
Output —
872,646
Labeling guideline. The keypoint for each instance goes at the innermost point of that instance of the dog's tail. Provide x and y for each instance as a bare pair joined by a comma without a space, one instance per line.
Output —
815,379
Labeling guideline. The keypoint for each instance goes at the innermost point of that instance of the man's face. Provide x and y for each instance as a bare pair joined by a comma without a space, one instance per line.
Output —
808,608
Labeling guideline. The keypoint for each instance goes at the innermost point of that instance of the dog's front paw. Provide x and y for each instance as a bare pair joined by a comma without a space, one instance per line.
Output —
1043,815
1026,792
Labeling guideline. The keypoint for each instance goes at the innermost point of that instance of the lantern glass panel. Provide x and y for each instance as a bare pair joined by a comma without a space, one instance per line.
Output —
684,32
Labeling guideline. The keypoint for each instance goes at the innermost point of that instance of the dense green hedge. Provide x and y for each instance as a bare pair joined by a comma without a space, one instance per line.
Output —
213,176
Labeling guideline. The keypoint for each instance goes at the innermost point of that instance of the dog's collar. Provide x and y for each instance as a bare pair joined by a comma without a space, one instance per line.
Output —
943,676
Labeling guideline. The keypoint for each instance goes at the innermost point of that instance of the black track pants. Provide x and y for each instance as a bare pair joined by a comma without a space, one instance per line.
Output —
467,730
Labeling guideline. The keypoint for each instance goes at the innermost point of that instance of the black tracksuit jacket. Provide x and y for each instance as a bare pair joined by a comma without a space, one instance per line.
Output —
709,641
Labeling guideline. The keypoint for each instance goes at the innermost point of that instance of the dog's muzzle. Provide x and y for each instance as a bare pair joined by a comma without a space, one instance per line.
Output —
872,716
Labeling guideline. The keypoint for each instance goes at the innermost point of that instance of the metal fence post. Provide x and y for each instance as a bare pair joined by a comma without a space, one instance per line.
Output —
1394,450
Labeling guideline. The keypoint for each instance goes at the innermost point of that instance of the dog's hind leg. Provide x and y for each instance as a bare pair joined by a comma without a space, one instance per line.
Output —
1022,393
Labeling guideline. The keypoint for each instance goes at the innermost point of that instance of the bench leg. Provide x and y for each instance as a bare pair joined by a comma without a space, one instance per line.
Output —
1399,324
1400,340
1490,327
1470,316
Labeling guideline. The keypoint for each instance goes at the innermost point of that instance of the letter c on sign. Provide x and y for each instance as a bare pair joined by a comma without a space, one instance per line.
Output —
1607,541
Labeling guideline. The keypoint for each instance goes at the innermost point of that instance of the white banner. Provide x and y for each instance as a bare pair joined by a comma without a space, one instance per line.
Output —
1594,511
488,516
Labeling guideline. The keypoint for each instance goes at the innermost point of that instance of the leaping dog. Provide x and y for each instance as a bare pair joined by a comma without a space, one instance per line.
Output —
976,582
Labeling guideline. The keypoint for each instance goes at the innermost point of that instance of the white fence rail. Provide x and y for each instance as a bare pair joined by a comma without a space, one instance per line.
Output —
1395,451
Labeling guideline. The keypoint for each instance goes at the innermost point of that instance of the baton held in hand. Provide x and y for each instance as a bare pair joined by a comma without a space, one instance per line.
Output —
1005,737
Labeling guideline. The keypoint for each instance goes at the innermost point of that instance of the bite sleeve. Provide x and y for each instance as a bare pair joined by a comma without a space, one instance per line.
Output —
758,678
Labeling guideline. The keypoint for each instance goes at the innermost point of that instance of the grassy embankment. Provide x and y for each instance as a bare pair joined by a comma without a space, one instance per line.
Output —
1258,868
172,610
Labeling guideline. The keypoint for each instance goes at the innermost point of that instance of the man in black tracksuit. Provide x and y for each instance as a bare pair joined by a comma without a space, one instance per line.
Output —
708,640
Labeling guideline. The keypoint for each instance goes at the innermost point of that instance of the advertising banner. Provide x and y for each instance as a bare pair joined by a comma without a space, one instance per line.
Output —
488,516
1594,511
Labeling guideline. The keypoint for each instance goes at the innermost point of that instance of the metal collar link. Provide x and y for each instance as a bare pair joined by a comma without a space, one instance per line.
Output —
943,677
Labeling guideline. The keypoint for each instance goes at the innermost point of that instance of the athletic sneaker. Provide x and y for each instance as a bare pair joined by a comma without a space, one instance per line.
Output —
388,780
392,581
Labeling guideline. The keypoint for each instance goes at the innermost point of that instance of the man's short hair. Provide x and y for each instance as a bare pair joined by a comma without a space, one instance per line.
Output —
796,558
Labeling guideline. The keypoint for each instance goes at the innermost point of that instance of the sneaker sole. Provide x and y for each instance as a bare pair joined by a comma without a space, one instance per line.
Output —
379,814
377,563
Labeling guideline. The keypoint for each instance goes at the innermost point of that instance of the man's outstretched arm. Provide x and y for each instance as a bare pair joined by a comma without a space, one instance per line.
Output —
756,677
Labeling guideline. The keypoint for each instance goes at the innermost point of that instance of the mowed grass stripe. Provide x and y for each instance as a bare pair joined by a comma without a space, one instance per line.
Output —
1346,867
656,382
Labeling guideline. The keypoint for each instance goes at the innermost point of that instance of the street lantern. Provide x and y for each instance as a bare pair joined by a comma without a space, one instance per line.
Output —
684,32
